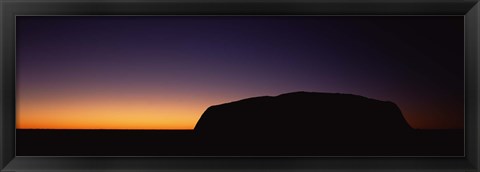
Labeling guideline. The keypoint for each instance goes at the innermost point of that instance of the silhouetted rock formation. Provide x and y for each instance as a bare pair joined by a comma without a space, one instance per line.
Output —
304,117
297,124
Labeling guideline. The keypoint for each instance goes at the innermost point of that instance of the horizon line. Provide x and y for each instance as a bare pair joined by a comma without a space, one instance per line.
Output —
91,129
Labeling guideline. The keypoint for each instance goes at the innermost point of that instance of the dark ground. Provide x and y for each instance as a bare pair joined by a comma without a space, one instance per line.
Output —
187,143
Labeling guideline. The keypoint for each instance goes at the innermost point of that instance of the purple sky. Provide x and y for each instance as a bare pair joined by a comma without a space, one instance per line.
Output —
414,61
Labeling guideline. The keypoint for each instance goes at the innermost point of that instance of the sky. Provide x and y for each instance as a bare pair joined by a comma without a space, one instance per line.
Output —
163,72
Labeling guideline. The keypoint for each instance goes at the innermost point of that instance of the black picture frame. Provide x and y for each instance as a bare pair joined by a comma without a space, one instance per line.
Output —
11,8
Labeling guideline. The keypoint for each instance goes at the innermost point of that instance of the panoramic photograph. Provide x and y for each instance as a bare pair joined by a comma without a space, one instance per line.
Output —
240,86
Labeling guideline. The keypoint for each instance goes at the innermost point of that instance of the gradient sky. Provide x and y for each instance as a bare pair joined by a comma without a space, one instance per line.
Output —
162,72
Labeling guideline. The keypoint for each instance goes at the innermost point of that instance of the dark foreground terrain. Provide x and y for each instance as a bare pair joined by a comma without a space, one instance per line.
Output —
165,142
293,124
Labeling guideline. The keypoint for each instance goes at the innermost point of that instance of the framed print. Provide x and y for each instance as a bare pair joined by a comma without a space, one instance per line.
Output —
274,85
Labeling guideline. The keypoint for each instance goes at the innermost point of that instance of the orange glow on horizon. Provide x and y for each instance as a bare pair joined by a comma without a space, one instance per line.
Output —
109,111
89,109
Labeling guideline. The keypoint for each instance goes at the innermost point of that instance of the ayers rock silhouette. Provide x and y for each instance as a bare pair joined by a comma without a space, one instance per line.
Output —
305,117
296,124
